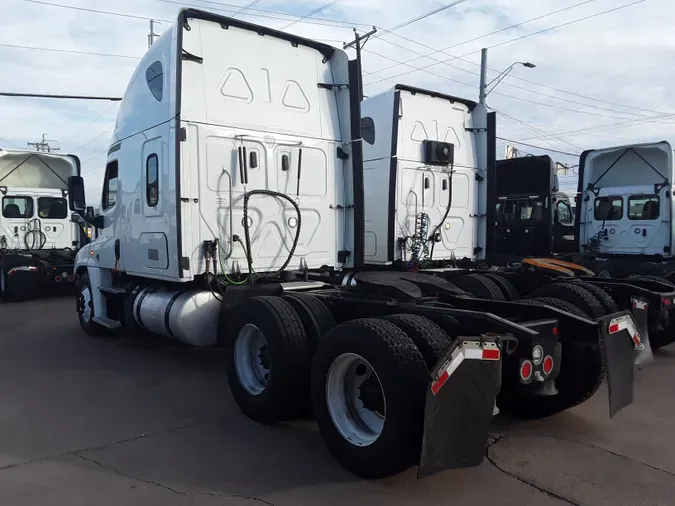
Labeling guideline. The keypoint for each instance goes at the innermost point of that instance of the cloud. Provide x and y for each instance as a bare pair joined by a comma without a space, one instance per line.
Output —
621,58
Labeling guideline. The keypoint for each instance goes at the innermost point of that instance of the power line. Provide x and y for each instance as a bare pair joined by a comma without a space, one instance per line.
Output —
435,51
110,13
538,147
578,20
507,84
316,21
418,18
105,111
67,97
310,14
543,104
544,136
54,50
92,140
246,7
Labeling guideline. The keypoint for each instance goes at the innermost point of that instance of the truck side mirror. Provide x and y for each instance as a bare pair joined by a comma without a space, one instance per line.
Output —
76,199
90,212
76,218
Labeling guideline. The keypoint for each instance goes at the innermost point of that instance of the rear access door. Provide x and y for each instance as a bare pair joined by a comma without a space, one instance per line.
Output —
429,190
262,114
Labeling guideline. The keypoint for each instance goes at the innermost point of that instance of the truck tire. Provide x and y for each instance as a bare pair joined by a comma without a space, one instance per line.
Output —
663,337
572,293
508,290
604,298
267,359
430,339
580,377
315,316
563,305
13,289
384,438
84,304
478,285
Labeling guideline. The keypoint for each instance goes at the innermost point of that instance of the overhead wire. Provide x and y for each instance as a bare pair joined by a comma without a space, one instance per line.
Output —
97,11
538,132
310,14
78,132
508,84
72,51
568,23
97,137
539,147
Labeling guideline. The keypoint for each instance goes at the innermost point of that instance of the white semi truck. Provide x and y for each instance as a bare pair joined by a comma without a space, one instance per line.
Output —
38,240
233,214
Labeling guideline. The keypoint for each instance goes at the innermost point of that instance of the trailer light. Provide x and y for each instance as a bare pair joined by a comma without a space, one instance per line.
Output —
548,365
71,278
57,279
526,370
666,301
64,274
537,355
556,331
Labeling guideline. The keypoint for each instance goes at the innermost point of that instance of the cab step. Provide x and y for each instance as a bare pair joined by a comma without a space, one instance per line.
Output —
106,322
112,291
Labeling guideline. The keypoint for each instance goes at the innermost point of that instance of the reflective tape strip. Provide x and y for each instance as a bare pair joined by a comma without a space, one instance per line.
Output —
468,350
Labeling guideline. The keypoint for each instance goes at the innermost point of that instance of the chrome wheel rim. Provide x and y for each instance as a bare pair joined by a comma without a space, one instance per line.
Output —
355,399
251,359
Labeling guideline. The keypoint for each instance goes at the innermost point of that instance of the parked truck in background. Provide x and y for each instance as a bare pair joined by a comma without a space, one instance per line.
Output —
38,240
235,210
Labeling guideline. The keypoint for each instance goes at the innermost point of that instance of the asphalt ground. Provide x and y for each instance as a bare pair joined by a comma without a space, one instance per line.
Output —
120,421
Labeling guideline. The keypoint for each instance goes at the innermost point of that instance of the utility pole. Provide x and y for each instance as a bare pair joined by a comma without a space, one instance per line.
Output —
358,43
152,34
483,76
43,145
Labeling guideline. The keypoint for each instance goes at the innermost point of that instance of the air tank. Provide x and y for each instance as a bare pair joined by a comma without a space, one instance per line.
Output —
188,316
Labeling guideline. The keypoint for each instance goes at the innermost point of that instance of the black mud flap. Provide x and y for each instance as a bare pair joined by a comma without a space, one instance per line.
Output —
620,337
459,406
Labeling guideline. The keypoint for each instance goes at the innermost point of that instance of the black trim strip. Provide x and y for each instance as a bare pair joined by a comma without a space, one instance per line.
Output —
167,312
180,26
393,171
491,192
357,164
469,103
326,50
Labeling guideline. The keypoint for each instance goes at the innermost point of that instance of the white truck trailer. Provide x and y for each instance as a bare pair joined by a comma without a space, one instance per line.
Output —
38,240
233,215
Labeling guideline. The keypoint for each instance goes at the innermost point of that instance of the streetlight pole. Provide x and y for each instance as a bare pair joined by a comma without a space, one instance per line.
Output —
483,76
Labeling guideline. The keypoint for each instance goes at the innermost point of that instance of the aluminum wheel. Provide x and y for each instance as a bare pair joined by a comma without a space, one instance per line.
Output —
84,304
251,359
355,399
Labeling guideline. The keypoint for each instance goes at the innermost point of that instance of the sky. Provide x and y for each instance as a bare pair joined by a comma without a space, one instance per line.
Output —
598,82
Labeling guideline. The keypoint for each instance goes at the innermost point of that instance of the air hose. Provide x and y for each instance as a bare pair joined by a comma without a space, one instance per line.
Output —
247,235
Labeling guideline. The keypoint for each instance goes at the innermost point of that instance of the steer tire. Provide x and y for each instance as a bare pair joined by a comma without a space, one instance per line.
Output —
479,286
508,290
604,298
430,339
285,395
563,305
315,316
574,294
87,322
403,378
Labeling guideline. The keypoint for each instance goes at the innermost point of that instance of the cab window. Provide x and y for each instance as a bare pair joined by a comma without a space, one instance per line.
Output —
17,207
608,208
643,207
52,208
563,212
110,186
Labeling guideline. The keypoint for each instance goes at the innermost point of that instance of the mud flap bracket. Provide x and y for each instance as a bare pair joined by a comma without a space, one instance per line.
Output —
459,406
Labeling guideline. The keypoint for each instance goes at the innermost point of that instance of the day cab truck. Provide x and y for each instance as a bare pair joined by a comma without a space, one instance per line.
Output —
621,229
234,213
38,240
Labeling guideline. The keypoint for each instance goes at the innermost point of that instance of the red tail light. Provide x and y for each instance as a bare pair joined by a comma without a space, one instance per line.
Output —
666,301
526,370
57,279
71,278
547,366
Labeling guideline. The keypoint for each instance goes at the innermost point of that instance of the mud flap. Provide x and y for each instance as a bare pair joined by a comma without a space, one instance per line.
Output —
619,339
459,405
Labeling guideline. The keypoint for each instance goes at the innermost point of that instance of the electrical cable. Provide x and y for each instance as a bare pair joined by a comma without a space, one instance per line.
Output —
247,235
77,8
71,51
539,147
432,236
